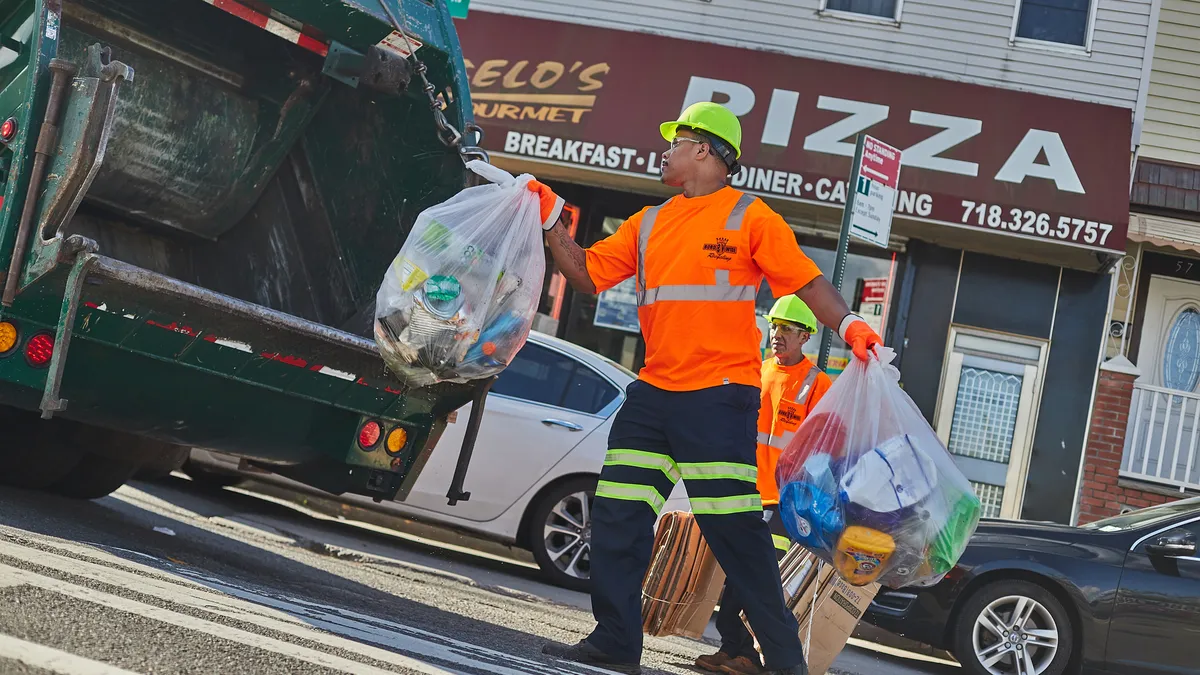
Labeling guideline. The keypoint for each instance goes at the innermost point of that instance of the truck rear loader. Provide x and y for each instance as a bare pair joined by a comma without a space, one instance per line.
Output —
200,198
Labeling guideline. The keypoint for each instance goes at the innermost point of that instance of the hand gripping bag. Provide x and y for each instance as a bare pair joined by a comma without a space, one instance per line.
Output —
458,301
867,486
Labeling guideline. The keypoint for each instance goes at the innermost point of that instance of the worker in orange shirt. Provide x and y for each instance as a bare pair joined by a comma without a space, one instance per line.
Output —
699,259
791,386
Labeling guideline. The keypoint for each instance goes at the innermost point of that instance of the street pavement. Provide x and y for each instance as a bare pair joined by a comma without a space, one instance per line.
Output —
170,577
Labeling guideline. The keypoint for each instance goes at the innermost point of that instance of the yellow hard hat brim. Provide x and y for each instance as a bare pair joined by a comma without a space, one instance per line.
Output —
668,130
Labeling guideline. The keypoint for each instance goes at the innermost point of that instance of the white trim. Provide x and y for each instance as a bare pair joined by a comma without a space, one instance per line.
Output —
1139,115
1060,47
1025,427
846,15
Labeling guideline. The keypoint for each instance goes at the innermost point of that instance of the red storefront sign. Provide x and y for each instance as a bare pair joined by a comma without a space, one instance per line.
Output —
1014,163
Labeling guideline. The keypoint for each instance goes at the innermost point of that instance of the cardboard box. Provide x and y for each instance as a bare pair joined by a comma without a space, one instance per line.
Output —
826,606
684,581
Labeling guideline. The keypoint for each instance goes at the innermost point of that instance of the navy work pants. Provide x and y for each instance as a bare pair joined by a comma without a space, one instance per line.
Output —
735,639
708,437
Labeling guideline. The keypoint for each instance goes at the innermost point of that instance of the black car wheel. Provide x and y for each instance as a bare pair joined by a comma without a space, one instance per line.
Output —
560,533
1013,628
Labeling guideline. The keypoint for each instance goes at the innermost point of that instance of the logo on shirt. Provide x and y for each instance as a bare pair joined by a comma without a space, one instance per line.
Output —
790,415
721,250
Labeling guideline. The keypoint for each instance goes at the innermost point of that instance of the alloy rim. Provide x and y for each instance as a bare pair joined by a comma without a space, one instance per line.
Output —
568,535
1015,635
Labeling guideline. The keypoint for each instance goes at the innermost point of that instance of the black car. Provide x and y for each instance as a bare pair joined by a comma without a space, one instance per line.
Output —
1120,595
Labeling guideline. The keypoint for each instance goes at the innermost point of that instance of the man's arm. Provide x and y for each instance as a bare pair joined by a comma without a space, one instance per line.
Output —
825,301
570,258
831,309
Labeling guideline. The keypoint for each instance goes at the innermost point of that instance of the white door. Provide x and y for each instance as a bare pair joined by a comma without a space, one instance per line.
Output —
987,413
1161,442
539,409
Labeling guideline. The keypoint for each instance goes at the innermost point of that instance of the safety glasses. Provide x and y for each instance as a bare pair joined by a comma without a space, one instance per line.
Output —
684,139
789,328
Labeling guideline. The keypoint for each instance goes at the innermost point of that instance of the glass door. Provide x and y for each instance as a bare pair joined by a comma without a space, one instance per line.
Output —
987,413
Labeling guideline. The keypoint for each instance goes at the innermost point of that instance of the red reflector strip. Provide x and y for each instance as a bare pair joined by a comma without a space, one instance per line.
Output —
279,27
288,360
173,326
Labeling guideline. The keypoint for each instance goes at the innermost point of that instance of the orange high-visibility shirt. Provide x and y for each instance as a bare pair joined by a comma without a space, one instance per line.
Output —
699,263
789,394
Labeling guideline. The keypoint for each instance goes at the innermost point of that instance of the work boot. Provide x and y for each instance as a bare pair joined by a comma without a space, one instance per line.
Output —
586,654
714,662
744,666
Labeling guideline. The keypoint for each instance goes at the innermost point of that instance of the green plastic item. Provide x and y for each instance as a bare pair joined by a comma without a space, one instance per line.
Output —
952,540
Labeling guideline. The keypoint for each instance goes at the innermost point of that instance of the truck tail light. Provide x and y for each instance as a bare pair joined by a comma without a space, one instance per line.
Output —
39,350
369,434
396,440
8,130
8,337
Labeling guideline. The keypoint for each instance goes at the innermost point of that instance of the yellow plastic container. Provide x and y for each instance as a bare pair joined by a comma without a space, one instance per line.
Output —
862,553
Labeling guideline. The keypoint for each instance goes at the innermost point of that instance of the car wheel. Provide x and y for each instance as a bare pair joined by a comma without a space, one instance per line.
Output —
1013,628
560,533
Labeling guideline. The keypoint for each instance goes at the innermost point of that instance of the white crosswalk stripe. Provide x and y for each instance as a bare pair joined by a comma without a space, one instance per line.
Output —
53,660
380,640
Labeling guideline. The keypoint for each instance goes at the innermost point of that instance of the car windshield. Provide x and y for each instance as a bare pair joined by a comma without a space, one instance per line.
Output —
1144,517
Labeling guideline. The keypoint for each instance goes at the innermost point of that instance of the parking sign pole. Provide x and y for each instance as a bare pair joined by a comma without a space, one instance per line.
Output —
839,265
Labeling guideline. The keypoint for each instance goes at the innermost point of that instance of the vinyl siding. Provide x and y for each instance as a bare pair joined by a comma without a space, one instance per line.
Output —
1171,131
965,40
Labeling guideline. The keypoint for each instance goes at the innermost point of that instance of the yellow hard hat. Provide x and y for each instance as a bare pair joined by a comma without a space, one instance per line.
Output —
791,308
712,118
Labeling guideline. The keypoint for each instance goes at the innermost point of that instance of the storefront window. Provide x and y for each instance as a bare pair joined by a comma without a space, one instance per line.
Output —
1181,356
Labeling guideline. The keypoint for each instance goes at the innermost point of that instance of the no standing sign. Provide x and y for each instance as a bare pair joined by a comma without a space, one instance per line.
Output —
876,178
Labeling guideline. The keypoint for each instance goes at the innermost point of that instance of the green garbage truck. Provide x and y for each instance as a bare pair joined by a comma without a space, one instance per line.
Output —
200,198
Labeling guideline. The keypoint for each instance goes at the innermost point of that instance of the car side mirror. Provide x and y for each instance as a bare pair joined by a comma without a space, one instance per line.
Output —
1176,544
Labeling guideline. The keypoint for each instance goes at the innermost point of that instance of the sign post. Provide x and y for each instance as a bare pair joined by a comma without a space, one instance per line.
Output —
874,178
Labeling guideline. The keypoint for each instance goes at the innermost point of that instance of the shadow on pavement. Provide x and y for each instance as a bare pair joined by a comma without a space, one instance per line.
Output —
306,591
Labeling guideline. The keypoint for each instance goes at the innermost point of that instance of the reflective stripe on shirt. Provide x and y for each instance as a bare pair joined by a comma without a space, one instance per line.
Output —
720,291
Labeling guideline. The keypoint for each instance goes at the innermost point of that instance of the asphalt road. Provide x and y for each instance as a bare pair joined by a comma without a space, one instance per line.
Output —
169,577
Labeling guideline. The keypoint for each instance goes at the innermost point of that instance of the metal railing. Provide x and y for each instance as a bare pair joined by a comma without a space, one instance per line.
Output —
1161,442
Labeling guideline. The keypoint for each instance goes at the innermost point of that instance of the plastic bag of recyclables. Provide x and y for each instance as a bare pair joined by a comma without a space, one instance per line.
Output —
458,301
868,487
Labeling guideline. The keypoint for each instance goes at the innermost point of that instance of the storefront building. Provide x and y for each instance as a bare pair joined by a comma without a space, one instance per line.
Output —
1143,447
1014,200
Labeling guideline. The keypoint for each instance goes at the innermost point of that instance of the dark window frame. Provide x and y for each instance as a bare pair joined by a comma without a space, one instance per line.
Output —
1088,28
858,15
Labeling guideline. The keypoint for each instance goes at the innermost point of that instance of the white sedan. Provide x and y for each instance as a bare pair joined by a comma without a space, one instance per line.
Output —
533,474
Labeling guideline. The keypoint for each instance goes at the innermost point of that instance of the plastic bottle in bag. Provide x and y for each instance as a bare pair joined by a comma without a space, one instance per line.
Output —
471,267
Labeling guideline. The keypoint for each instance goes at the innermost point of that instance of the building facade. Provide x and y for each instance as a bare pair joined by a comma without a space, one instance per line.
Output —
1018,122
1142,445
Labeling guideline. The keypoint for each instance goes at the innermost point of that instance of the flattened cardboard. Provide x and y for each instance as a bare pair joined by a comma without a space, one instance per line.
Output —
684,582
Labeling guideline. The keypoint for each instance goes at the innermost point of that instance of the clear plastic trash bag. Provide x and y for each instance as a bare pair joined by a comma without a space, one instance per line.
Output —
458,301
867,486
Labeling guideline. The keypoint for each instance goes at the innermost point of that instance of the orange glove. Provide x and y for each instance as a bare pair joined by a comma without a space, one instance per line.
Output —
551,204
859,335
